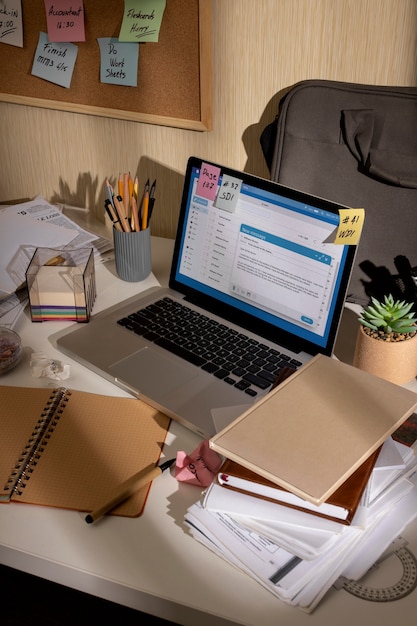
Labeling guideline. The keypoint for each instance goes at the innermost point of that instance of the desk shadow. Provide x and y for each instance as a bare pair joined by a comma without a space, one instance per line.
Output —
168,194
83,196
259,141
90,193
346,338
180,500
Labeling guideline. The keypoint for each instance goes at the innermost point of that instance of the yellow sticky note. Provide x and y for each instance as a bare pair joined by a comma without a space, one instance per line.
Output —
350,226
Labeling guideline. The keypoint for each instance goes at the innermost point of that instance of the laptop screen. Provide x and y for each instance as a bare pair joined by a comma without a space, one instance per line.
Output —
257,253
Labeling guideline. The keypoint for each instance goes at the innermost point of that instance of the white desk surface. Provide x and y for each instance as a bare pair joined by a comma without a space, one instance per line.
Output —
151,563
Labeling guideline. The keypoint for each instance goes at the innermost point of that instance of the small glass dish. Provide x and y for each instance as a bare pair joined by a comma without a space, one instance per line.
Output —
10,349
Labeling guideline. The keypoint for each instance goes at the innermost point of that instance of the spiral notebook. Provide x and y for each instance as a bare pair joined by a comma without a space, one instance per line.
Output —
70,449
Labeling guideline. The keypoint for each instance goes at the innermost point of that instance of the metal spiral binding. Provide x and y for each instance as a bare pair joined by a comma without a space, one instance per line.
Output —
37,442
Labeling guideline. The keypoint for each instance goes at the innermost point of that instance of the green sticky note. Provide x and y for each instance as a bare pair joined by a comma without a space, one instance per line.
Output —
142,20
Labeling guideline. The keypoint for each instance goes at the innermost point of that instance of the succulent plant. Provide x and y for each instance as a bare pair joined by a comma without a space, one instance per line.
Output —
389,317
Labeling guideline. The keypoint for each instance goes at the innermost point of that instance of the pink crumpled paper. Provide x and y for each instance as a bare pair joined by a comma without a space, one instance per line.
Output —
199,467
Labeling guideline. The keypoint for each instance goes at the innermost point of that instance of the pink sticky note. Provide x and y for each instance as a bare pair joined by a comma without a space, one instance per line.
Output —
199,467
65,20
208,181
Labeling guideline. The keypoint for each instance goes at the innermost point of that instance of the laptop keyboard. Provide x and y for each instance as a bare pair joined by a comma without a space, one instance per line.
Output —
230,355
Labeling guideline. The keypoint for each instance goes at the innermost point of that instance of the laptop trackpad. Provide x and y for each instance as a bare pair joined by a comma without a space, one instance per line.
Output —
151,372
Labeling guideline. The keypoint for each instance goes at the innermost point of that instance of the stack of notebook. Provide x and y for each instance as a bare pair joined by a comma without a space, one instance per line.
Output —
314,487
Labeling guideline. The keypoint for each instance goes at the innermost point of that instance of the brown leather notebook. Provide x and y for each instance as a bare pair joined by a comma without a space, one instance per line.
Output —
340,507
71,449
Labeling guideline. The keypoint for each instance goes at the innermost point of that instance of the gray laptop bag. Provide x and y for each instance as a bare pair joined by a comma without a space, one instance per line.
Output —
356,145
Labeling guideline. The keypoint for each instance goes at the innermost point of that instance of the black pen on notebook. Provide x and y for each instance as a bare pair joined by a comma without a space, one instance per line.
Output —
127,489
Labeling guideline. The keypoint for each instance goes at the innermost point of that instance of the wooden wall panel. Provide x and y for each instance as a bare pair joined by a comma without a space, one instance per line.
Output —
259,50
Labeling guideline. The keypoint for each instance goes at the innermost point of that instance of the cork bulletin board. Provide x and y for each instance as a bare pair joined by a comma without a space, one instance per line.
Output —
174,74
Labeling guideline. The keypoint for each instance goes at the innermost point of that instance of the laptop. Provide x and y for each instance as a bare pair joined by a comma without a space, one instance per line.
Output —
255,271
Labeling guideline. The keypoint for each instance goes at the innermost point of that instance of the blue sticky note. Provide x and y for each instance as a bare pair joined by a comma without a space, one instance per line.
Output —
119,62
54,62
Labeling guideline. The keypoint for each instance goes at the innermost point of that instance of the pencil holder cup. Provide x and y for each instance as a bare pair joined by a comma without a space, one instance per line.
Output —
132,253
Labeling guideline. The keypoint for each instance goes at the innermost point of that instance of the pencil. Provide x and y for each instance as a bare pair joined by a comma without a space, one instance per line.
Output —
135,215
131,187
128,488
126,195
140,204
120,185
145,209
109,190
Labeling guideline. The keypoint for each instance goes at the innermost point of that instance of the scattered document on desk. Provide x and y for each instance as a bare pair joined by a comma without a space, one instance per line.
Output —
390,457
19,238
12,306
23,228
300,557
42,211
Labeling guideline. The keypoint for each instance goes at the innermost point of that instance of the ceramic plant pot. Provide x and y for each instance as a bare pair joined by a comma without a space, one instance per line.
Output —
395,361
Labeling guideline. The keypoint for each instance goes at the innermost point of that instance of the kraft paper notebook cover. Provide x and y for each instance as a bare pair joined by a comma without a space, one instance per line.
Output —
341,506
317,427
70,449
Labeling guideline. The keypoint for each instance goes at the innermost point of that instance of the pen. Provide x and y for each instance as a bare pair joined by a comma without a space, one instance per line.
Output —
151,200
112,215
124,220
128,488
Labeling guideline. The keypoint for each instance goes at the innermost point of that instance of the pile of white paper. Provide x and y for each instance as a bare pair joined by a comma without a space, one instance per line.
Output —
298,556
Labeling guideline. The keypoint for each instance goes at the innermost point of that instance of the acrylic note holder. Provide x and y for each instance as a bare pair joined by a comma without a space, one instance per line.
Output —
61,284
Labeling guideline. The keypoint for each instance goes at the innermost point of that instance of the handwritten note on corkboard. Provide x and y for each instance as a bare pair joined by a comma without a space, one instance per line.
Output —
174,75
